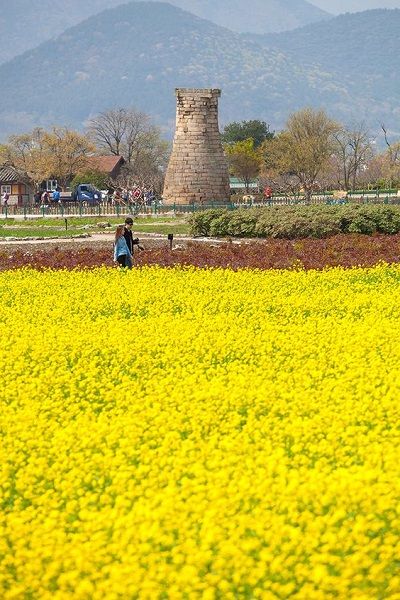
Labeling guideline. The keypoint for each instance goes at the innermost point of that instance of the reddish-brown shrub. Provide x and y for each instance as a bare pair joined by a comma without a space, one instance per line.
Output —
343,250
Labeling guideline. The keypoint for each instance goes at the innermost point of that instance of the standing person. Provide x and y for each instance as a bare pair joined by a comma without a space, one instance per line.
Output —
149,195
56,196
117,197
128,234
125,196
122,254
267,192
6,197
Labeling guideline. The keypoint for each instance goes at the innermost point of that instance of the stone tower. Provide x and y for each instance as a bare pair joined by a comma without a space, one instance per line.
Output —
197,171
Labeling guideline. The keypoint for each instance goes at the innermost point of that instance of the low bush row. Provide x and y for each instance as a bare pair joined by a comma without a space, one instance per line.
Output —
271,253
293,222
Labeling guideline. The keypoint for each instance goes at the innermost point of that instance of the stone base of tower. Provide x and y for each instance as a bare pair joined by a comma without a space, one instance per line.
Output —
197,194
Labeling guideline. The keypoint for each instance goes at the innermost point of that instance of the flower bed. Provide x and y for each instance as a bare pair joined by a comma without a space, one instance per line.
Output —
171,433
341,250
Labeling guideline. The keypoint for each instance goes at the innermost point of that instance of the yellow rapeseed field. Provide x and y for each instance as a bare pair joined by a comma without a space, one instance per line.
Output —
184,434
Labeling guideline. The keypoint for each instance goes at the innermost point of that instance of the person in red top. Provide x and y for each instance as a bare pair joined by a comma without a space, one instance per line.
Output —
267,192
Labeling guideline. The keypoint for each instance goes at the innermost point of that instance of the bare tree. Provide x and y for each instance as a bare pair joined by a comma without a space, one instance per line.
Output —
28,153
393,158
129,133
68,151
352,151
123,132
108,130
303,150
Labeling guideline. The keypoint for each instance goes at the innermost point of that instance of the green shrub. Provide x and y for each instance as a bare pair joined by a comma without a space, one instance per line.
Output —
242,222
200,222
387,219
293,222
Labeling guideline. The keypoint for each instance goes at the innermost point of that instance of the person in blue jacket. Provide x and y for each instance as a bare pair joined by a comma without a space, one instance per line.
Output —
56,195
122,254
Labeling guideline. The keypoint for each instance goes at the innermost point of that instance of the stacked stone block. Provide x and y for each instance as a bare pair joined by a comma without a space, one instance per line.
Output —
197,171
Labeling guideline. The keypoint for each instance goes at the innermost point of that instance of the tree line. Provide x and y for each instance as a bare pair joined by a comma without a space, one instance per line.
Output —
313,152
64,154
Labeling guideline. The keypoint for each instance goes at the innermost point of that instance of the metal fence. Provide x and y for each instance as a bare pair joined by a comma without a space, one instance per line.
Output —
107,209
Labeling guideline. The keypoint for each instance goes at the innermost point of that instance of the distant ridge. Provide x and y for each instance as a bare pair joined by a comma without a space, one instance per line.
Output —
255,16
24,24
362,48
138,53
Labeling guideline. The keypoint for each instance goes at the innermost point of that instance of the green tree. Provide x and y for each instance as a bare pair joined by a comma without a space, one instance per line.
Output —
99,179
257,130
244,160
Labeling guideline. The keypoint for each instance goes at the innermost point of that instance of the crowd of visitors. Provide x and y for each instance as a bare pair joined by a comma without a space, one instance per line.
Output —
133,196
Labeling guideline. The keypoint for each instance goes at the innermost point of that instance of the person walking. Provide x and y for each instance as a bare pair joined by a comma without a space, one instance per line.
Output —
128,235
122,254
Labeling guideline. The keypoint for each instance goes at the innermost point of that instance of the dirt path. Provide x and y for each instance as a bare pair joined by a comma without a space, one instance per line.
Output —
146,239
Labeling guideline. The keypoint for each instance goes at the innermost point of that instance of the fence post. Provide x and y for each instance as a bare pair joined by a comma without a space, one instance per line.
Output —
80,209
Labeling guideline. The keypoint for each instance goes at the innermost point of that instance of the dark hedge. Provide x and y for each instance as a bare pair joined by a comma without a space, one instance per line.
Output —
295,222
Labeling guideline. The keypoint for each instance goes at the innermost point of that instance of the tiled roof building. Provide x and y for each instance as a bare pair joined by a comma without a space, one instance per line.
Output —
16,184
111,165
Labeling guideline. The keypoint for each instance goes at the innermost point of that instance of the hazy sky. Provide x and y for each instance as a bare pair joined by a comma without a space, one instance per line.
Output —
341,6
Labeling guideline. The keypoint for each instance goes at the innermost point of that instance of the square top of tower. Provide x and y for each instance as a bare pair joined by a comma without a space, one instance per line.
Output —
198,92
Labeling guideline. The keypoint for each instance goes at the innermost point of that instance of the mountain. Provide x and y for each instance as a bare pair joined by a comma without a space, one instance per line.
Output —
257,16
360,49
24,24
343,6
137,54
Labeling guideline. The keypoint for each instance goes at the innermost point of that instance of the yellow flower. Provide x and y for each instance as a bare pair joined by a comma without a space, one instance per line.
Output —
183,433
